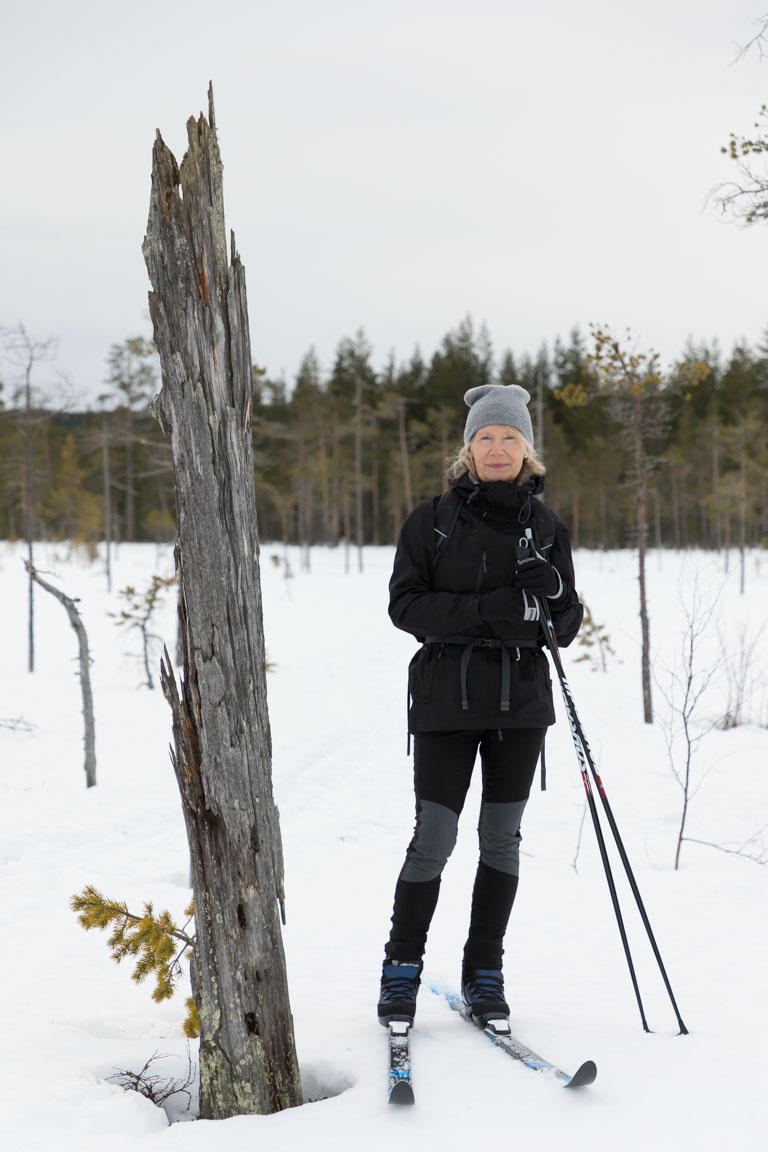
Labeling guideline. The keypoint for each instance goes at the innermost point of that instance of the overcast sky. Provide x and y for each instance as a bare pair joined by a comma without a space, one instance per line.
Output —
388,164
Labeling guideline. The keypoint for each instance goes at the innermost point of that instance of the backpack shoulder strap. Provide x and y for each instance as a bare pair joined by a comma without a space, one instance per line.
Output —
544,525
449,507
447,512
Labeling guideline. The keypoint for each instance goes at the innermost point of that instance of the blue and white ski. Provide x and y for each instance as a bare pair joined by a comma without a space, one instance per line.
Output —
399,1087
499,1033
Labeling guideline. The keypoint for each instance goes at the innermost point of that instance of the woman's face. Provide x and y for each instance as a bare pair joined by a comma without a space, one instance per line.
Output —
497,453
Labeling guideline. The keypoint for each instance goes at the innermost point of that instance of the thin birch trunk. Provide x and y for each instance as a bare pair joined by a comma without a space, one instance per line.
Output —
641,511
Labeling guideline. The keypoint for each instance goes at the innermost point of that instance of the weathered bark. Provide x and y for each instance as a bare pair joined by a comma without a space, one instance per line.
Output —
222,753
89,738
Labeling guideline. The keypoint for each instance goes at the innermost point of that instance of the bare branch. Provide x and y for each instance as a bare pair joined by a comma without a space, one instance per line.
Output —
761,858
689,682
759,41
156,1088
16,725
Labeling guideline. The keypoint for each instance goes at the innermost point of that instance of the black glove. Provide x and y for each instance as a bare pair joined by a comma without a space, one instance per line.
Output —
538,577
500,604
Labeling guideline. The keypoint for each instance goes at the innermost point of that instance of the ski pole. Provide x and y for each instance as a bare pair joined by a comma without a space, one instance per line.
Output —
584,757
609,876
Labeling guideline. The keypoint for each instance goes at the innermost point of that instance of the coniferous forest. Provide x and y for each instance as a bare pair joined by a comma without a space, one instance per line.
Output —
343,452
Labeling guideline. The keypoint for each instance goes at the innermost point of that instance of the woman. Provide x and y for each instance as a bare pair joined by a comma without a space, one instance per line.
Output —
480,682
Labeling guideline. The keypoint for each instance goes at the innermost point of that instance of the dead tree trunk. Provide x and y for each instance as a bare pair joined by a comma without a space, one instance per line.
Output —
222,754
89,739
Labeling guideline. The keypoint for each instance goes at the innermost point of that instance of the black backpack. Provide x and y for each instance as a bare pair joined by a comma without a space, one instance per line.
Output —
449,508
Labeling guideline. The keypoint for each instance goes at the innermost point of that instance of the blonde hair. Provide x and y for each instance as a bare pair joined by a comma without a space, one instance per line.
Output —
533,465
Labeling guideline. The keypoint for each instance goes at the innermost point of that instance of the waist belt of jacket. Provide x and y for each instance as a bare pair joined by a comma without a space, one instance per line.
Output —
472,642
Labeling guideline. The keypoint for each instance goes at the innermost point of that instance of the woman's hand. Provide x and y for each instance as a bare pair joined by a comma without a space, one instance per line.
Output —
501,604
538,577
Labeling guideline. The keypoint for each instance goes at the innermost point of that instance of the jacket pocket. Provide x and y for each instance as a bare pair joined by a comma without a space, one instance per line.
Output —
542,669
421,671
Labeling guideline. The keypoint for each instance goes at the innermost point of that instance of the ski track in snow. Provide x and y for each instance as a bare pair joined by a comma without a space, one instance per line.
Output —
343,785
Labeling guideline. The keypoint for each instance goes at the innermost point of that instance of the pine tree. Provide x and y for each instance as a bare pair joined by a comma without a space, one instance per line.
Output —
73,513
595,641
133,375
746,198
639,393
138,612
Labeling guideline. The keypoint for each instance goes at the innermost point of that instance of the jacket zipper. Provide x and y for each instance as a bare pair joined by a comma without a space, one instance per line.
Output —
483,571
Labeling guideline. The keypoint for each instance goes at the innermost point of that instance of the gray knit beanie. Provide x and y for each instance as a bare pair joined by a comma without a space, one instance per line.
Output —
498,404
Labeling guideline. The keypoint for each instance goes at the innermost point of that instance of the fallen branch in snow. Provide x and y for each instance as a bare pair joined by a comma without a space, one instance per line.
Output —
575,861
158,1089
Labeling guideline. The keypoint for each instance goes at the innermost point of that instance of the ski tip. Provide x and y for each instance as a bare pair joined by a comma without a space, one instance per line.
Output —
401,1093
586,1074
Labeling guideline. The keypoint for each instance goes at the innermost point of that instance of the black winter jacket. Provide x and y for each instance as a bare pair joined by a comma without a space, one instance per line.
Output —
452,685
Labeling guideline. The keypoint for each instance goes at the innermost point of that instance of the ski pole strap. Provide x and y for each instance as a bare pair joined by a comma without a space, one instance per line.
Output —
472,642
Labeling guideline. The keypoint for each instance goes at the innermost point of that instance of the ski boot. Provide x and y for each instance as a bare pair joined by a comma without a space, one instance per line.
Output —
483,992
400,981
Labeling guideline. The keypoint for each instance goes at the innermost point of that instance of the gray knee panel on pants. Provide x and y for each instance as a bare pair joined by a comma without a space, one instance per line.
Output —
432,843
499,835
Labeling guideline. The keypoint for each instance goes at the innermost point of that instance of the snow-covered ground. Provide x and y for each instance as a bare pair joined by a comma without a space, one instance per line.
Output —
70,1017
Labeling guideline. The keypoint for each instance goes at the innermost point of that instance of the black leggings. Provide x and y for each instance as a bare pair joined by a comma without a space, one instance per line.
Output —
443,764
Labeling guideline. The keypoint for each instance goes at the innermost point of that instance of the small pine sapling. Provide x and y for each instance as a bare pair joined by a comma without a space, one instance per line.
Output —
137,615
593,638
153,938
